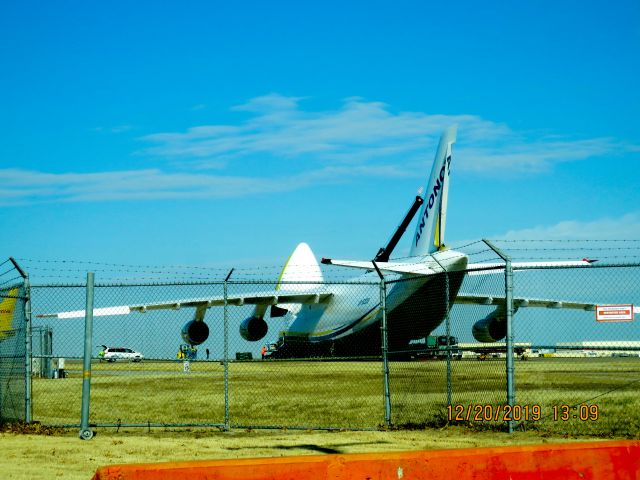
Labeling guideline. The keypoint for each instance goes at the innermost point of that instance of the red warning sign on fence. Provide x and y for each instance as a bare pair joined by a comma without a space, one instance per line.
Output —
614,313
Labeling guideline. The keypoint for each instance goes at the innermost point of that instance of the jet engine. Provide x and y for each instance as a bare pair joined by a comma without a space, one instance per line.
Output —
195,332
492,328
253,328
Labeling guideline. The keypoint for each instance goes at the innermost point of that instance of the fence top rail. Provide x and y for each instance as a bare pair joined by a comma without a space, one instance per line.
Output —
205,283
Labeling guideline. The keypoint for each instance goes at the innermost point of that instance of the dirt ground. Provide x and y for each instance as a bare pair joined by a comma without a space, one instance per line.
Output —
61,454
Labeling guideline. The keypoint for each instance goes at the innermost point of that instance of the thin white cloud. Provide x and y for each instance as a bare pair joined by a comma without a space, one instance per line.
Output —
325,146
269,103
610,240
116,129
532,157
23,186
357,132
626,227
367,132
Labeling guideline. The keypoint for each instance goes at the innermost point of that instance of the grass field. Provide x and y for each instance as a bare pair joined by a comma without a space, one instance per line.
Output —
314,394
350,394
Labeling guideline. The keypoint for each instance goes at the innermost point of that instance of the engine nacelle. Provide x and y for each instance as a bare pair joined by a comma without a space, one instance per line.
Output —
195,332
492,328
253,328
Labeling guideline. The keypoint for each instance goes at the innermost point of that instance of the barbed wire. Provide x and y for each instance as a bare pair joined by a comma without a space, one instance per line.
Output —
567,240
567,249
76,269
121,265
475,242
11,270
618,251
11,280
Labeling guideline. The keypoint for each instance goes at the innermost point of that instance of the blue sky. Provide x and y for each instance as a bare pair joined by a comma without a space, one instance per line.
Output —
222,134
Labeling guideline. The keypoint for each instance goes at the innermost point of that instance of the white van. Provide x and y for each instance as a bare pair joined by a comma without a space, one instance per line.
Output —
111,354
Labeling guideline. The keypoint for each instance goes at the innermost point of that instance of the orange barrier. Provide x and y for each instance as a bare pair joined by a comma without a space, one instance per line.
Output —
585,461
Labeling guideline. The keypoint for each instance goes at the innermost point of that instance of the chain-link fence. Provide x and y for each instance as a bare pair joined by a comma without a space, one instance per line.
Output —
581,369
225,381
13,353
574,372
323,361
443,369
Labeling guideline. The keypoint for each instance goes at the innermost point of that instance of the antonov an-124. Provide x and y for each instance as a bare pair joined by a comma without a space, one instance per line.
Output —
344,319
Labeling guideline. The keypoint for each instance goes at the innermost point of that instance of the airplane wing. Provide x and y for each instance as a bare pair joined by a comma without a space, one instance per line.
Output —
522,302
201,304
472,299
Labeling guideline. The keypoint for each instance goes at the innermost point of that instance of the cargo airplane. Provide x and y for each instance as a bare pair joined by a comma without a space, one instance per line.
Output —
344,319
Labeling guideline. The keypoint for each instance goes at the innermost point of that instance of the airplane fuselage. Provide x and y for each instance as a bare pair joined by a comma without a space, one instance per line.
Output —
415,306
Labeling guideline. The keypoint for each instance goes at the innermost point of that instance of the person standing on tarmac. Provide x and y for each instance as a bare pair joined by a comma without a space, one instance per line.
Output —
263,351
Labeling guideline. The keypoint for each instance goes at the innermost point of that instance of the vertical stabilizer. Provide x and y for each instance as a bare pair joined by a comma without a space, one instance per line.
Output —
429,236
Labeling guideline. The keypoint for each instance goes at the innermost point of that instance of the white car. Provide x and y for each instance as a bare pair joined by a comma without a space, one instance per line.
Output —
111,354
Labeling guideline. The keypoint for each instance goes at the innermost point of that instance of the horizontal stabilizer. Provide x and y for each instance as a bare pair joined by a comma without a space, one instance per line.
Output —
489,268
426,265
393,267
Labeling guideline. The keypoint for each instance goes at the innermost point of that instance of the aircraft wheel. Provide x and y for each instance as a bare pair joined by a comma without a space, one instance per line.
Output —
86,434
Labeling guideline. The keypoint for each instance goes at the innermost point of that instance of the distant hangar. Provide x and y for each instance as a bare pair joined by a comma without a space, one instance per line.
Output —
603,348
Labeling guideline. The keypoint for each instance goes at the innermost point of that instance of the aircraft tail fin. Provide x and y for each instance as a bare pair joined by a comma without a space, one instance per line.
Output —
7,310
429,236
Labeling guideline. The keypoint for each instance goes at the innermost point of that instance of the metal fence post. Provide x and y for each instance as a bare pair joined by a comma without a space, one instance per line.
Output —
85,432
28,351
508,286
448,332
385,347
448,329
508,283
28,354
226,352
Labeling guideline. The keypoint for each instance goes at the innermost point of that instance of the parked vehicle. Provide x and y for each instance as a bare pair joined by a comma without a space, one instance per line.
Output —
111,354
